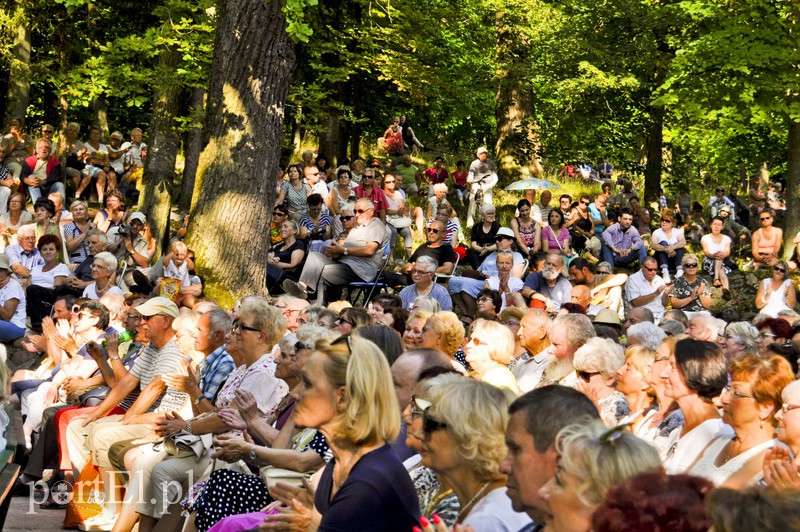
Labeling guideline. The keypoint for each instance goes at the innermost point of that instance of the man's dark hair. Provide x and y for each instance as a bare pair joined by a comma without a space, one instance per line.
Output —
581,263
314,200
624,210
68,300
548,410
388,300
98,310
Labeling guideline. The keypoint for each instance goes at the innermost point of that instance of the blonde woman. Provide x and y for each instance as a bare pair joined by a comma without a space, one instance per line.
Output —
632,383
489,349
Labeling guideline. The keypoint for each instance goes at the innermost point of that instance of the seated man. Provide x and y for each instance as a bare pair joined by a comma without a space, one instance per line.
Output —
605,289
358,258
581,296
548,289
740,235
23,255
622,244
464,290
97,242
646,289
128,244
423,272
62,215
435,248
41,173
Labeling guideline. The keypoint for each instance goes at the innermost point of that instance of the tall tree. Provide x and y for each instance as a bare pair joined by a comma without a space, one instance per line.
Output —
235,186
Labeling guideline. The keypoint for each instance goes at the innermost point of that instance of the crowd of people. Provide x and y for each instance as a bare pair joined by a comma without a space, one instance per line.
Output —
561,373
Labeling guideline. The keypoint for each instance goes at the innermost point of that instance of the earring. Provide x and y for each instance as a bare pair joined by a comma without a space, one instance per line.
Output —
762,423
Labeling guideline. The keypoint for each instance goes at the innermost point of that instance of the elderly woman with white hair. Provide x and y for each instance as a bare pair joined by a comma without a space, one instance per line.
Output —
104,267
489,350
483,237
781,465
740,338
591,460
423,274
596,364
647,334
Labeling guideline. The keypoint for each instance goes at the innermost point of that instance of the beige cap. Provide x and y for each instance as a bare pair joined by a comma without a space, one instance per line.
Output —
158,305
605,316
4,264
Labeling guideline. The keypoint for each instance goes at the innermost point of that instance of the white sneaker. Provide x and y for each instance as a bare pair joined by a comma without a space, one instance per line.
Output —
679,273
101,522
665,275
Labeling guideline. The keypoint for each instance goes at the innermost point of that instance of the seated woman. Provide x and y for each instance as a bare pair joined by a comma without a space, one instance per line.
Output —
104,269
439,199
412,336
44,211
41,293
294,193
285,259
689,292
555,237
749,405
483,237
445,333
348,395
592,459
717,251
488,303
463,426
315,224
12,304
444,213
397,212
114,212
342,225
277,443
527,231
489,350
596,364
581,228
776,293
75,232
766,242
508,286
15,217
279,215
351,318
669,245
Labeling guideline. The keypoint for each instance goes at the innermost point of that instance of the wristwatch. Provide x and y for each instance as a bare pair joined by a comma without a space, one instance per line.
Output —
199,399
252,455
345,252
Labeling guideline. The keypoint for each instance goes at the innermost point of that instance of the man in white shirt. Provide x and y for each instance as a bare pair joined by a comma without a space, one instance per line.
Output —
646,289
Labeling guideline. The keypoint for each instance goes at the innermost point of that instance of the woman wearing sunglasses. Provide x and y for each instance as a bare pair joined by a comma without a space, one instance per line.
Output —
462,440
776,293
350,318
347,394
766,241
689,292
596,364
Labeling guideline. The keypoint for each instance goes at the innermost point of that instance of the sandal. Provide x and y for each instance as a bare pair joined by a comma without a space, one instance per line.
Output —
717,283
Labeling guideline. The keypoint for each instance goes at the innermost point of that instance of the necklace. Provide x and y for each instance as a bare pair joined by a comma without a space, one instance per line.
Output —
472,501
99,290
436,499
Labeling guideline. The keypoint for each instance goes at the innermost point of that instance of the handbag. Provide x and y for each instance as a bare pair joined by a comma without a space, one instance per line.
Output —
182,444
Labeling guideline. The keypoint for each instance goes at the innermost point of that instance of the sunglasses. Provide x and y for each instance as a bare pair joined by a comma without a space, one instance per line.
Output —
504,238
362,211
419,272
692,265
650,269
434,231
430,425
779,269
584,203
765,218
339,321
586,376
299,346
386,181
346,218
484,299
278,214
238,327
367,176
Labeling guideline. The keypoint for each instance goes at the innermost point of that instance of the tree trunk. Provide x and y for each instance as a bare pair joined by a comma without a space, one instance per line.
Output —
792,189
297,129
655,144
193,147
355,129
159,167
100,108
235,186
518,144
19,84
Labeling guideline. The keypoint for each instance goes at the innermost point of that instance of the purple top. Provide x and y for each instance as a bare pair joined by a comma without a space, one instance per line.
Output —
549,237
615,237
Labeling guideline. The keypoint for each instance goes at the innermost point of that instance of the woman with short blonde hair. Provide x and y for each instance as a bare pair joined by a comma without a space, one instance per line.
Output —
443,331
596,363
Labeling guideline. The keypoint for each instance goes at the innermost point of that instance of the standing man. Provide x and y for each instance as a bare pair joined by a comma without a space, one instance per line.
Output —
646,289
41,174
481,177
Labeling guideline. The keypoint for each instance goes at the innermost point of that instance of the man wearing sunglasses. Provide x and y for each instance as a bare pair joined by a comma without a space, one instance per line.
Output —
648,290
358,258
436,248
370,190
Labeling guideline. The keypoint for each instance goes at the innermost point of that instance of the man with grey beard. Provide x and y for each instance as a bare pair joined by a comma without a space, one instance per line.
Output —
549,286
568,333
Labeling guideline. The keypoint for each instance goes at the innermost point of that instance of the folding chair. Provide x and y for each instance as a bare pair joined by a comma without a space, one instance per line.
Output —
444,277
357,289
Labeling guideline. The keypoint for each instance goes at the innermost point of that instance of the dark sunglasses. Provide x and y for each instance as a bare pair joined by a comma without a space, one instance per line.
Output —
779,269
765,218
300,346
650,269
503,237
346,218
584,203
277,213
339,321
362,211
586,376
431,230
692,265
367,176
430,425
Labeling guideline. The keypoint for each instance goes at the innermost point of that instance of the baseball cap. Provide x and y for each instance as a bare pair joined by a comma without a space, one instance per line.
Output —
158,305
138,216
504,231
605,316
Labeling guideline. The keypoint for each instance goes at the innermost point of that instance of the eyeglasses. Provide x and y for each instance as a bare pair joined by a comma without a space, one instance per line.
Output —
779,269
238,327
586,376
765,218
474,340
692,265
386,181
737,394
278,213
365,176
362,211
484,299
299,346
148,318
340,320
434,231
135,317
489,214
345,218
661,359
503,237
584,203
666,221
47,131
762,335
419,272
786,407
650,269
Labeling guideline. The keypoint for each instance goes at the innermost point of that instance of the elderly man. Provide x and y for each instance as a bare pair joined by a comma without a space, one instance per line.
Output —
41,173
464,290
646,289
422,274
358,258
481,179
23,255
548,288
535,419
581,296
637,315
97,242
607,288
622,244
291,307
568,333
703,326
533,337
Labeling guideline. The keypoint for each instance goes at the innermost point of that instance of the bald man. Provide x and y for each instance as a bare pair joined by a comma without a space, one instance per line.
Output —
582,295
